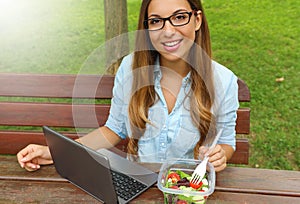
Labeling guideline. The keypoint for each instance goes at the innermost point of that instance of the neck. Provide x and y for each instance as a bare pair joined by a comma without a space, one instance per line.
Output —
178,66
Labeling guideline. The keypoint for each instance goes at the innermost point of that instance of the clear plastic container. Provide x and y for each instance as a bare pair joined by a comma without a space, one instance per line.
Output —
185,196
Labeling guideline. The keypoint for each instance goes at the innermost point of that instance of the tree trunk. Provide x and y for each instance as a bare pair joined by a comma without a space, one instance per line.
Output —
116,28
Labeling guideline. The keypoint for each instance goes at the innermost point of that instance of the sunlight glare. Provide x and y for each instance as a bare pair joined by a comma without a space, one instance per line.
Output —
11,11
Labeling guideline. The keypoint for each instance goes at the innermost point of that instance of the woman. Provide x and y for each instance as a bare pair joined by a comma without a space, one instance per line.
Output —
170,98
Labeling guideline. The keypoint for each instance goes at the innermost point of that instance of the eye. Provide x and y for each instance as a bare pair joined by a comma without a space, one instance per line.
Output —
153,21
180,17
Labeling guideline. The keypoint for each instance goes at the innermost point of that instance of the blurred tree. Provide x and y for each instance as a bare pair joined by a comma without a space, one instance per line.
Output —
116,29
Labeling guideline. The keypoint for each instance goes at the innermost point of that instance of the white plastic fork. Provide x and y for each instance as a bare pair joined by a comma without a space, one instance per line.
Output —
200,170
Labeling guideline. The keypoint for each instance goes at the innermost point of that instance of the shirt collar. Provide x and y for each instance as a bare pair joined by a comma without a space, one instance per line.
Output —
157,73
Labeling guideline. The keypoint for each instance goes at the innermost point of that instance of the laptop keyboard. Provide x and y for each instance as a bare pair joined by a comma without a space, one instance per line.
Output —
125,186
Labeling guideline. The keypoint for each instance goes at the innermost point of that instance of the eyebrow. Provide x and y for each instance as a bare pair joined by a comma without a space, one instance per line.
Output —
177,11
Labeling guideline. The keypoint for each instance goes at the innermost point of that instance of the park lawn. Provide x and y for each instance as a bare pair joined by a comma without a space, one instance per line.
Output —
257,40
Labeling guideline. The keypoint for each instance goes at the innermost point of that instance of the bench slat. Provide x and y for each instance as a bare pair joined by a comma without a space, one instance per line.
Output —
57,115
11,142
241,154
243,91
71,115
243,121
62,86
56,86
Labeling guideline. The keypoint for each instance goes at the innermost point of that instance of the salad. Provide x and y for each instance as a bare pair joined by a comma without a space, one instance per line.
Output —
179,180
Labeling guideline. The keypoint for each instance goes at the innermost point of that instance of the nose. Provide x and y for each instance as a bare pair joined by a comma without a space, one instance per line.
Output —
168,28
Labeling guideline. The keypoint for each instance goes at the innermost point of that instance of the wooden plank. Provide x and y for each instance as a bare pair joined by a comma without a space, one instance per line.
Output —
62,86
56,115
53,192
75,115
234,185
219,197
232,179
58,192
11,169
241,154
243,91
243,121
260,181
42,192
13,142
56,85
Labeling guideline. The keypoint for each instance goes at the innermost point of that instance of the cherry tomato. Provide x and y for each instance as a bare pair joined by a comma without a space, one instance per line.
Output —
175,187
181,202
196,186
203,196
174,176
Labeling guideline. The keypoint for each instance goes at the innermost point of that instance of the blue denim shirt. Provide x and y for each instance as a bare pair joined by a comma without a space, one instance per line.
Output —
173,135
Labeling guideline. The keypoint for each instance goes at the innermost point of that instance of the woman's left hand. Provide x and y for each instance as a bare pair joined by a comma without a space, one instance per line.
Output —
217,157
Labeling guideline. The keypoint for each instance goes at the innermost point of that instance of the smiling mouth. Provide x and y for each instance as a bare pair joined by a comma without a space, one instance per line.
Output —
171,44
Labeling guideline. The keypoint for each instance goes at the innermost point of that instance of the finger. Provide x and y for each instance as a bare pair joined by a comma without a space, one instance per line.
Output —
202,151
19,158
219,161
34,164
31,167
220,168
44,161
219,164
215,150
21,154
32,153
218,158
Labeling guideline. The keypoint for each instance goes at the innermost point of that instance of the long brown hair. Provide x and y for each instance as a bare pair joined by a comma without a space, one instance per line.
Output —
143,93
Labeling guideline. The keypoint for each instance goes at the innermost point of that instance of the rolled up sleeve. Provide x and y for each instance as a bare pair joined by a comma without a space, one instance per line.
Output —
118,112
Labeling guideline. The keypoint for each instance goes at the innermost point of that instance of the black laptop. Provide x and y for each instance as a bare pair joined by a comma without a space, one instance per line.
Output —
103,174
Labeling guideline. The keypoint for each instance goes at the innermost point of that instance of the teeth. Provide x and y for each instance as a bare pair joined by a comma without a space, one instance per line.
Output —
171,44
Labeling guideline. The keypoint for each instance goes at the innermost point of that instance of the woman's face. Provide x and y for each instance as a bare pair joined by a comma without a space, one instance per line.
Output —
173,43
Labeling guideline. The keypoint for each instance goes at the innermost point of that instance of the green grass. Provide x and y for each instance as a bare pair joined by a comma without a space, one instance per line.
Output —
257,40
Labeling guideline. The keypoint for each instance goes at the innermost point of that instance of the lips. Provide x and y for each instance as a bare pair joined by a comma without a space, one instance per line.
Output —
171,46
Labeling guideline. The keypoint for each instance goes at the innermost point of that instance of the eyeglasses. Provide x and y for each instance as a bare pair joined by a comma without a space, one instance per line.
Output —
177,19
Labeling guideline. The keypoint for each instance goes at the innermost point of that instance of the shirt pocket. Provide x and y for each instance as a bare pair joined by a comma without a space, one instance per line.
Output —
157,119
185,140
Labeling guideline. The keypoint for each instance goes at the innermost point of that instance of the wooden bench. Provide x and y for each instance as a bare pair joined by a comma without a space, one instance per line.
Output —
233,185
67,102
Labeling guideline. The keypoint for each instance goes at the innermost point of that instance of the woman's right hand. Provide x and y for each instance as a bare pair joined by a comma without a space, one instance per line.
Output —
32,156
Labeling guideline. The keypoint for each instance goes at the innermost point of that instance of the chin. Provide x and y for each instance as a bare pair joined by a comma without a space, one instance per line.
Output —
172,57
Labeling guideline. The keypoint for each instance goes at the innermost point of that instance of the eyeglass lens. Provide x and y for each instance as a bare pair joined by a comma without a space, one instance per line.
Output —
178,19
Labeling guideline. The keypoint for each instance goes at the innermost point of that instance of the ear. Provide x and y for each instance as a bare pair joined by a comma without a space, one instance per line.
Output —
198,20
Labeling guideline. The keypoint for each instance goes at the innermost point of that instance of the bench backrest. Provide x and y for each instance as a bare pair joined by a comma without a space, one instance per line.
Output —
29,101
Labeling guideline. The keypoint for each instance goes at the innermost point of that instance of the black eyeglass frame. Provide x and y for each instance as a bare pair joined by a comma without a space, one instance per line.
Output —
169,19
